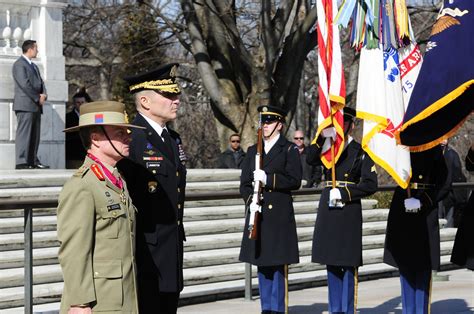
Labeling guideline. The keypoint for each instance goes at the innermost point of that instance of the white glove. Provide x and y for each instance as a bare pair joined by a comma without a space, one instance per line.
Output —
260,175
335,198
329,132
254,207
412,205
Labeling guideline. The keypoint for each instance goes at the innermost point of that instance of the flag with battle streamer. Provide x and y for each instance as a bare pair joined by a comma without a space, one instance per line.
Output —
331,89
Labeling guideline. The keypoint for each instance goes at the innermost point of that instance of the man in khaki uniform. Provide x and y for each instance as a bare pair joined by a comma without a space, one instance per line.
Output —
96,219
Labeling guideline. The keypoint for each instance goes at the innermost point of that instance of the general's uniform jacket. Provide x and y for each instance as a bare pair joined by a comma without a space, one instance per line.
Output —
278,242
337,238
412,239
96,233
157,186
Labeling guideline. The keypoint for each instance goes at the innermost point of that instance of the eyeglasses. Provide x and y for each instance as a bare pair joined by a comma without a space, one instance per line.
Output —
298,138
235,141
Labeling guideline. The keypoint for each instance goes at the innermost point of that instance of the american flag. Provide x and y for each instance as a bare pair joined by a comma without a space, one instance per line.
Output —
332,87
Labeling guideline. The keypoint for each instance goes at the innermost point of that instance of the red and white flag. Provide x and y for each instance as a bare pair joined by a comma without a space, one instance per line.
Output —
332,88
386,80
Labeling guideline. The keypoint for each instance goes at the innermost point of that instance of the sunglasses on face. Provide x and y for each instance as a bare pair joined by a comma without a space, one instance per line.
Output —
299,138
235,141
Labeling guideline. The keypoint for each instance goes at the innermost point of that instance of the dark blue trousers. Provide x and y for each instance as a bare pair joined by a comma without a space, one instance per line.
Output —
416,287
342,290
273,286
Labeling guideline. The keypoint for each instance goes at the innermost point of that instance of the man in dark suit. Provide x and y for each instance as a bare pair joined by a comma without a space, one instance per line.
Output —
30,96
233,156
75,151
311,174
156,176
277,243
337,239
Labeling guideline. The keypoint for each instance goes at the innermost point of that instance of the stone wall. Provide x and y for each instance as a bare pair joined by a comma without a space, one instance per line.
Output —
40,20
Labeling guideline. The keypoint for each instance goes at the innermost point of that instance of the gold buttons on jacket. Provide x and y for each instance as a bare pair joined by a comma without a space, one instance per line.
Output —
270,206
179,222
154,171
114,214
177,173
179,190
179,206
96,273
270,191
346,175
420,177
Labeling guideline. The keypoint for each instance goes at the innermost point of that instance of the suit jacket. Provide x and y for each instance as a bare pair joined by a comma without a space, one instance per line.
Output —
278,242
95,229
337,236
157,186
28,86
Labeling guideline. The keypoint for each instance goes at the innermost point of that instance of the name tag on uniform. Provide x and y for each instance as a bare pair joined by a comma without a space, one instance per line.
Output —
113,207
153,164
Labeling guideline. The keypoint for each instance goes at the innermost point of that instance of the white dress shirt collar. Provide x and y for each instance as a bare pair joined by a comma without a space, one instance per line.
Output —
270,143
27,59
156,126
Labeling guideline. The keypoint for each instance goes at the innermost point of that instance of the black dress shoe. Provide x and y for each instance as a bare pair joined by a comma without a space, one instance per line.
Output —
23,166
41,166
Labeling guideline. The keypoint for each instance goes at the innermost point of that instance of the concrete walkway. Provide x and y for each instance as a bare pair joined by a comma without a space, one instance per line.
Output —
375,297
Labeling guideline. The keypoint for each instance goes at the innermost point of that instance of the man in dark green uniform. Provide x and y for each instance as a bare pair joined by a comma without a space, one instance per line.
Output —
337,240
96,219
277,243
156,176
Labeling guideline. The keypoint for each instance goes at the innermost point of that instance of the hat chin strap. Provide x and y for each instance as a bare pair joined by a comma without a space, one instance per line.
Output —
110,141
272,131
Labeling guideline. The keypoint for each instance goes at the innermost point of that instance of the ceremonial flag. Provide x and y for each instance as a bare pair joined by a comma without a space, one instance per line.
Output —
331,89
381,102
443,95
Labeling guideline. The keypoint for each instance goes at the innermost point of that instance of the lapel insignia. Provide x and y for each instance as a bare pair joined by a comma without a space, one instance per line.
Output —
152,186
98,173
149,146
373,169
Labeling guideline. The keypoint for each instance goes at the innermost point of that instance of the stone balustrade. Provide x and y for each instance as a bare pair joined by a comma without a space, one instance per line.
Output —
15,26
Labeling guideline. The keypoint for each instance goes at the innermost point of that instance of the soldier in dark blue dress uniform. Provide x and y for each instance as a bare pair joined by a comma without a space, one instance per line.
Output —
412,242
277,244
156,176
337,239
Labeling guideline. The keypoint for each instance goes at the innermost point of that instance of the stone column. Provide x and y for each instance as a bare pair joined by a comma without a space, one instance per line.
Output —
40,20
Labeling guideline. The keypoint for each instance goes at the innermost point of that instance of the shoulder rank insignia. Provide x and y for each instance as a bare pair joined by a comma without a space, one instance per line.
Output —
81,171
98,172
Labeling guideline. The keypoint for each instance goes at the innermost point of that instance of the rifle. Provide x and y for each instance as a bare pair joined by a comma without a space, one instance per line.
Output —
257,198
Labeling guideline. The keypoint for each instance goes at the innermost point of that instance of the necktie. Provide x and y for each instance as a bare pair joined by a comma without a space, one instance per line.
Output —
33,66
167,139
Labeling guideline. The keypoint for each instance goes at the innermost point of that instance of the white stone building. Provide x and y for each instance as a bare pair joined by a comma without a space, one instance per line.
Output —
40,20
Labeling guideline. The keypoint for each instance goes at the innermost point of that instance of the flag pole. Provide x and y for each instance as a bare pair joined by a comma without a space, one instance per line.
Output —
333,163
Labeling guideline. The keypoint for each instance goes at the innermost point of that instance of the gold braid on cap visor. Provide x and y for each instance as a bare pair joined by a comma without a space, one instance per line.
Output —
167,86
268,113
